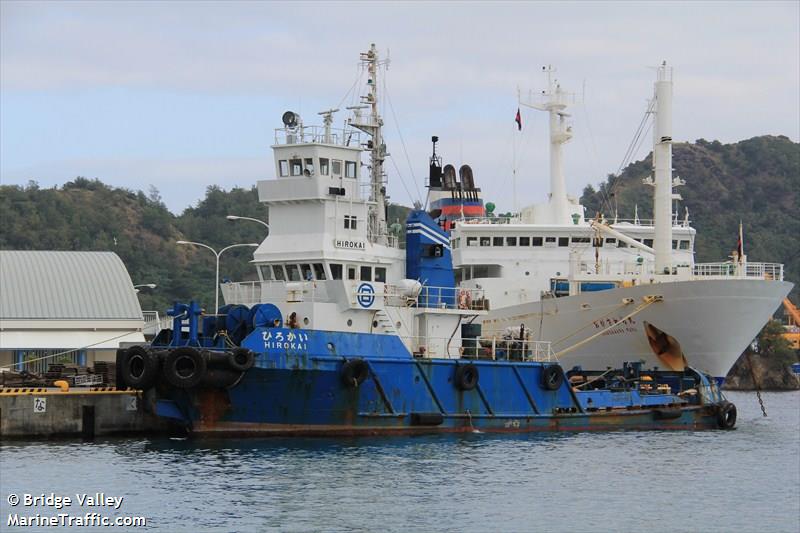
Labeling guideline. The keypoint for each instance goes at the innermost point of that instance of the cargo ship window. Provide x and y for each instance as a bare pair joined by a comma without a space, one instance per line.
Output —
309,167
380,274
319,271
283,165
366,273
351,272
349,169
524,241
649,242
563,241
581,239
486,241
497,241
266,272
296,167
511,241
350,222
293,273
336,271
337,167
305,272
467,273
621,244
280,275
611,240
480,271
549,239
323,166
472,241
684,245
536,241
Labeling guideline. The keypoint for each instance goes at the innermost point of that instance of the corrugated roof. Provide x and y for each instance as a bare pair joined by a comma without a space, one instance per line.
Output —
66,285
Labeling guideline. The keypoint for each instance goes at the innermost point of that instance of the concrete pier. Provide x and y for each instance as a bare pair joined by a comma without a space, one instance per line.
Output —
53,412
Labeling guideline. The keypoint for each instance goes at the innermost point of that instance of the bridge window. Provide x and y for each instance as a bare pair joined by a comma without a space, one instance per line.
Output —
283,166
611,240
309,167
336,271
280,275
563,241
351,272
581,240
486,241
266,272
649,242
511,241
380,274
305,271
497,241
536,241
349,169
622,244
524,241
319,271
472,241
323,165
684,245
293,273
366,273
337,167
296,166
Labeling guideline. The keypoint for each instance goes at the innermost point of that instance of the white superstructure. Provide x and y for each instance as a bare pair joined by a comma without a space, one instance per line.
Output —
607,291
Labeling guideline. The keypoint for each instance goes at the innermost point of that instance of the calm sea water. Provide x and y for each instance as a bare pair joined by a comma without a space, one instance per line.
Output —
743,480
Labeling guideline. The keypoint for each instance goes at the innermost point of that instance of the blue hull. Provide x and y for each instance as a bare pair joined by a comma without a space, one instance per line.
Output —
301,391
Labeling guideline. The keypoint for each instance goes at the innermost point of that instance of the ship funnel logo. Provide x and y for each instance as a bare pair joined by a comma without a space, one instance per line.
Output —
366,295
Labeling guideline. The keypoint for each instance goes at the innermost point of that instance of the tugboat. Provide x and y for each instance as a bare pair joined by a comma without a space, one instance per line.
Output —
256,372
347,333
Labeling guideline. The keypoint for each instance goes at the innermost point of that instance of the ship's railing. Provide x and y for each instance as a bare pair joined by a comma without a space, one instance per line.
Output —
515,219
730,269
253,292
316,134
433,297
493,348
153,323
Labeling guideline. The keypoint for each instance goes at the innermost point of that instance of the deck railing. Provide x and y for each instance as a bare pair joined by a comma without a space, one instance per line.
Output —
433,297
488,348
729,269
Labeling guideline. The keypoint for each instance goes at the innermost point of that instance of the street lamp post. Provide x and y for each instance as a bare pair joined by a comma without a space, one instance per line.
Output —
235,217
147,285
217,254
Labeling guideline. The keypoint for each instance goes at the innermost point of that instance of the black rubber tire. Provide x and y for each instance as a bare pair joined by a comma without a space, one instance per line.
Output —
726,415
140,368
466,377
552,377
241,359
119,379
184,367
354,372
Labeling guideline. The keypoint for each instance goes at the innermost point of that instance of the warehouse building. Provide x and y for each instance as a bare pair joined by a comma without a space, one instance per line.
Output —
65,307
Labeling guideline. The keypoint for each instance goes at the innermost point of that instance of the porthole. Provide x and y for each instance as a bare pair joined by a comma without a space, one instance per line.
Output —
349,321
306,321
374,323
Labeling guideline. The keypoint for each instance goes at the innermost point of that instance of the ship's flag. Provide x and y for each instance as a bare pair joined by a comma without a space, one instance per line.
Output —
518,120
740,244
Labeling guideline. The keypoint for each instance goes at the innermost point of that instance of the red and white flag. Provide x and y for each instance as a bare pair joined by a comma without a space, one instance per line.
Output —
518,120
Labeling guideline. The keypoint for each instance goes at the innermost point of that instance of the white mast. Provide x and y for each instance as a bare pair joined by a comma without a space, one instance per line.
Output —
372,126
662,168
555,101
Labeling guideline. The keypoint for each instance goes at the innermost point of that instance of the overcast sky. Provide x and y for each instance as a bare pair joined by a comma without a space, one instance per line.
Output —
184,95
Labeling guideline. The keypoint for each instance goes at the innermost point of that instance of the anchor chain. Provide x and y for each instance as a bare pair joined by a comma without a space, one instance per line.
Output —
756,385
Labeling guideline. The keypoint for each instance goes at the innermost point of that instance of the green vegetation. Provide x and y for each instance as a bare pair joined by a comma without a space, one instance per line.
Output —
756,181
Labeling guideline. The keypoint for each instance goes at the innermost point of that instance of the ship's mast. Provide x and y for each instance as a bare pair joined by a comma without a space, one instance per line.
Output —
662,169
555,101
372,125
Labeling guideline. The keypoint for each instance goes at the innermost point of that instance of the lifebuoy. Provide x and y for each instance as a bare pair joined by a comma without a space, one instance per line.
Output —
726,415
552,377
354,372
241,359
466,377
184,367
139,368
